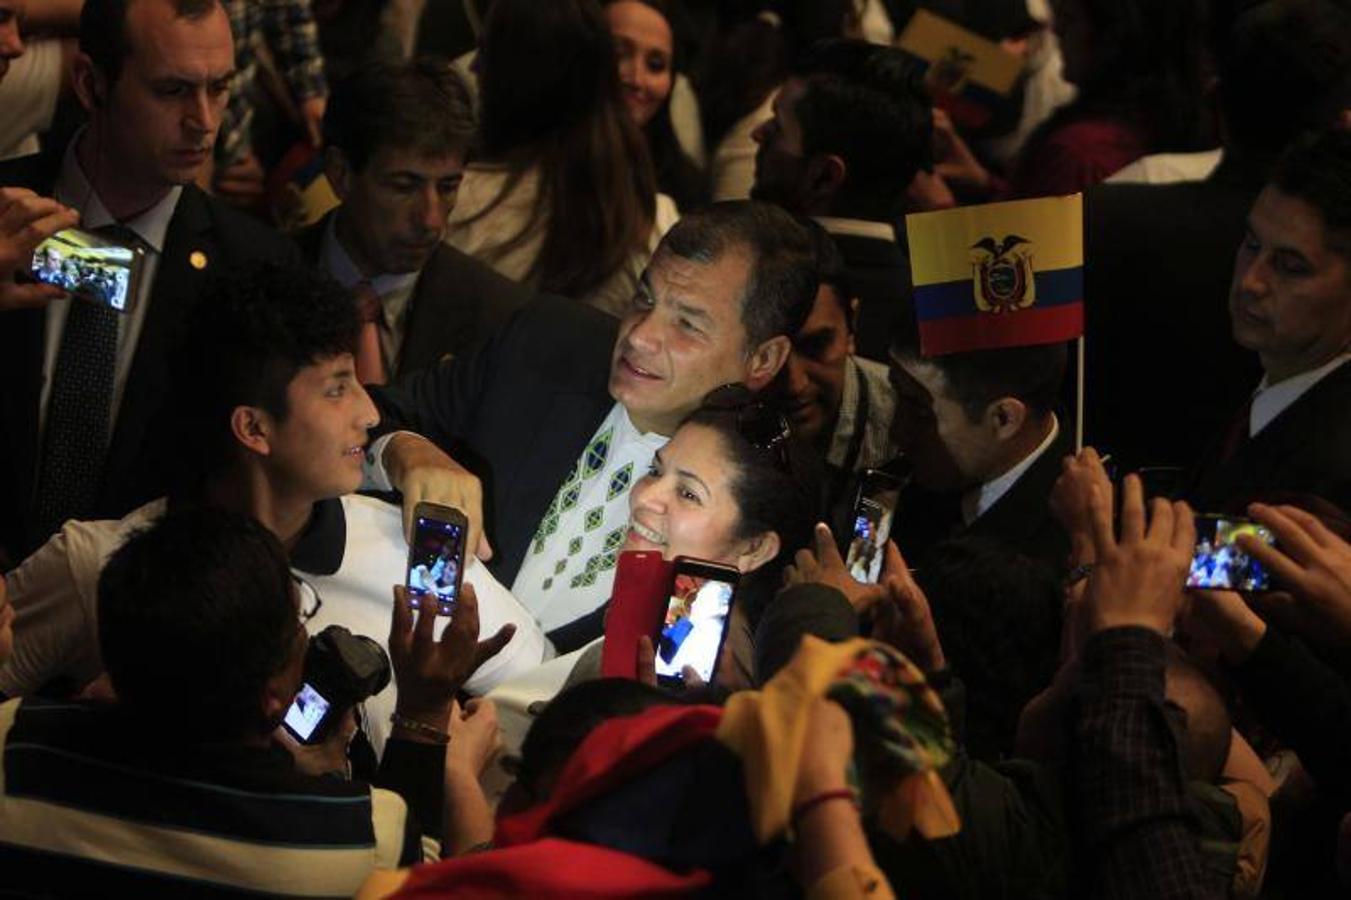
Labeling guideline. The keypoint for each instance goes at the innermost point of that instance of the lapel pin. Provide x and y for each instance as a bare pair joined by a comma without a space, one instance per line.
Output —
197,259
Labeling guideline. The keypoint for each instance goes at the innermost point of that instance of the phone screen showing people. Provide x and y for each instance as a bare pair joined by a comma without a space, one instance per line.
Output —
435,560
1220,563
88,266
872,526
306,713
693,629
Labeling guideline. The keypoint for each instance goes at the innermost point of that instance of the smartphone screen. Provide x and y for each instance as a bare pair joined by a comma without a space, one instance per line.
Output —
88,266
435,561
306,712
695,625
873,512
1220,563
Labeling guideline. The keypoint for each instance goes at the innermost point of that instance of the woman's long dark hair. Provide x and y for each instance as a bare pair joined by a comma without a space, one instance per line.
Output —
550,99
1147,67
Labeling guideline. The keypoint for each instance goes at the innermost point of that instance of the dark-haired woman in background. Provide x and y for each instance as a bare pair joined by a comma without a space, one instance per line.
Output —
561,193
646,50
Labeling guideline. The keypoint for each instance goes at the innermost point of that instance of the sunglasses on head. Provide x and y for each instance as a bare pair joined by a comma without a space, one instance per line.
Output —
759,424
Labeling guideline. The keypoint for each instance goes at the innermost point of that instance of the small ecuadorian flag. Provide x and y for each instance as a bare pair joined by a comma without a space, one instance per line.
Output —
968,76
998,275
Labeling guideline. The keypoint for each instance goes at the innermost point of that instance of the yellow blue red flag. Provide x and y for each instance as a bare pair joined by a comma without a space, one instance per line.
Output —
998,275
969,76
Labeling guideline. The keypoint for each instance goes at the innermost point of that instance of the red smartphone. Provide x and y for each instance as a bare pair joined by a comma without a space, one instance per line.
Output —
637,601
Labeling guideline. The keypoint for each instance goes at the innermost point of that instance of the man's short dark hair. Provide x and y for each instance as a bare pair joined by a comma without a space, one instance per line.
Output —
195,615
975,379
866,104
421,106
782,284
246,339
103,30
1317,170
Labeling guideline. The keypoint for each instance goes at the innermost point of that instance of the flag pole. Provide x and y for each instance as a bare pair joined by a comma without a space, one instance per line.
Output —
1079,397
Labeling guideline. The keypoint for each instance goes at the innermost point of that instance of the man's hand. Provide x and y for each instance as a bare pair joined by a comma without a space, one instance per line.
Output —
428,672
1314,564
1070,500
824,565
420,470
905,620
27,220
1139,578
312,118
329,755
474,737
1223,619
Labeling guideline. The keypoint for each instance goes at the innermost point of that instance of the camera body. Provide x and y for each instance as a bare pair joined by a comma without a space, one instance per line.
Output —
341,670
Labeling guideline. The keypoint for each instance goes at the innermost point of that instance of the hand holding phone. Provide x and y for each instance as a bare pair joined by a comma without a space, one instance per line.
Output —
698,613
436,556
873,514
90,266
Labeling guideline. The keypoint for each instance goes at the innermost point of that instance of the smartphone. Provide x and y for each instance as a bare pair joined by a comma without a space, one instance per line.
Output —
436,556
873,513
1220,563
91,267
637,603
694,627
308,716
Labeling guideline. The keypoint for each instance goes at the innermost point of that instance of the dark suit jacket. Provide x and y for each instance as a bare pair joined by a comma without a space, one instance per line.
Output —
879,273
1303,452
142,439
1021,519
517,410
457,301
1163,373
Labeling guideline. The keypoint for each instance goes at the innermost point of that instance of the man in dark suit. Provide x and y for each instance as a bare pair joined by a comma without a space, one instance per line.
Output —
986,446
1160,256
83,385
1290,303
851,128
396,136
551,420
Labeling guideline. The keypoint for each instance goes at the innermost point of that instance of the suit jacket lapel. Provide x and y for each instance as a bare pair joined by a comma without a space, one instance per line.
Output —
432,314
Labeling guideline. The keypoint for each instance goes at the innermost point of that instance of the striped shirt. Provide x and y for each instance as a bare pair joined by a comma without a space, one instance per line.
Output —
89,805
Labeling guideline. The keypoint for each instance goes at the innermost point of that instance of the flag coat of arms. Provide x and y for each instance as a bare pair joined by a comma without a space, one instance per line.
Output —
969,76
998,275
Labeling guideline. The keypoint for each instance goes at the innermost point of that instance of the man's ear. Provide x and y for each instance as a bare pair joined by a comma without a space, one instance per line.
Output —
252,427
338,172
825,176
1005,417
277,697
89,84
766,361
757,551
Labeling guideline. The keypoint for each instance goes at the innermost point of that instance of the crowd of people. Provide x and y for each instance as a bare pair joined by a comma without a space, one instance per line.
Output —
625,284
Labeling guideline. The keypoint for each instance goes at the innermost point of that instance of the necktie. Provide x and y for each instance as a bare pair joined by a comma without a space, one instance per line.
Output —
79,411
369,363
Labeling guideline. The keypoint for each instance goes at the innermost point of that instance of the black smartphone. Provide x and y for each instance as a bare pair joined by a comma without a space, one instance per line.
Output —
307,719
1220,563
91,267
698,612
436,556
874,509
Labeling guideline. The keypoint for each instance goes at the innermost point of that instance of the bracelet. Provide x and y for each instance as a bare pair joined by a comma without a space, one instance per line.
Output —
422,728
811,803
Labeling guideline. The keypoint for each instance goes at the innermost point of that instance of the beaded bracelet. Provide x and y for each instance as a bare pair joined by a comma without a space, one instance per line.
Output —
422,728
811,803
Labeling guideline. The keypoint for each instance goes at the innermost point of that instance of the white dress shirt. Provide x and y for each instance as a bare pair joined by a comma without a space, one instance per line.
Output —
74,190
1271,400
977,503
395,290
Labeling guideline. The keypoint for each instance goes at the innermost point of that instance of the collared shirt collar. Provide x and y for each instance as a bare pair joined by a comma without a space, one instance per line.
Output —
883,231
337,262
320,548
1271,400
846,422
74,190
977,503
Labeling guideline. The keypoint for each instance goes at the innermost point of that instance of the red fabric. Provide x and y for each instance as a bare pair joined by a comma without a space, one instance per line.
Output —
613,753
548,868
1076,155
1050,325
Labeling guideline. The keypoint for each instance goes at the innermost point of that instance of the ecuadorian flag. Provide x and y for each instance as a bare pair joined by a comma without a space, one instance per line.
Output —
969,76
998,275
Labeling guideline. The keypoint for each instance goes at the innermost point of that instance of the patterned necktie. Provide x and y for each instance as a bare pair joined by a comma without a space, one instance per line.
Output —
370,364
79,411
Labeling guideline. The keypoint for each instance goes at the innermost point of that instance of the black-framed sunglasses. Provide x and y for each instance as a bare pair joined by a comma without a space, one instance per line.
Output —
762,426
310,601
